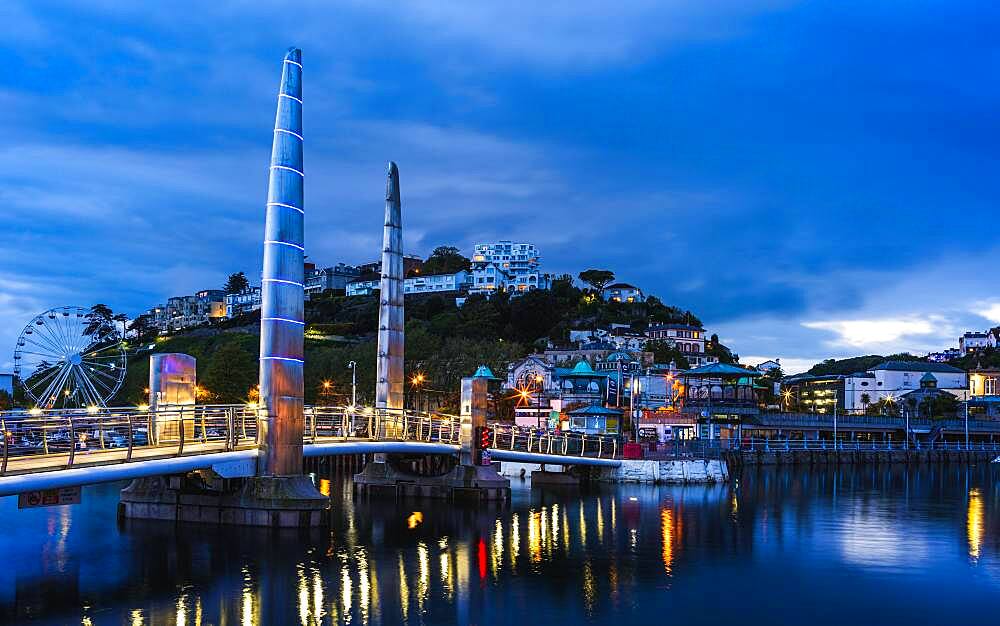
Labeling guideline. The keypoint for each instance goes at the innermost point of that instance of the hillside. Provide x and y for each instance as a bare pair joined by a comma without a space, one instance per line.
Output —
443,342
855,364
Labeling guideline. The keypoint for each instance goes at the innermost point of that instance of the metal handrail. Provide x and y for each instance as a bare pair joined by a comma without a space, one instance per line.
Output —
819,445
64,435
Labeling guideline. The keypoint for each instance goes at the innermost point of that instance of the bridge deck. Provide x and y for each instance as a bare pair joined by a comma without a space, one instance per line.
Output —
36,451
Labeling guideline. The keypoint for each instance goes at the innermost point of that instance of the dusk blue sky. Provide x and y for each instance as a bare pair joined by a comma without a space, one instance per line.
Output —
812,179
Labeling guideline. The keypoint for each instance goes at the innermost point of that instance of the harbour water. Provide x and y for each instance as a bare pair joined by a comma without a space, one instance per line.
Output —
858,545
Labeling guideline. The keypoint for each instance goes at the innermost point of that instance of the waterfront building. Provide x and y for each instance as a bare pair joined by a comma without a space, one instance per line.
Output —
855,392
984,382
722,396
246,301
594,419
330,279
622,292
506,266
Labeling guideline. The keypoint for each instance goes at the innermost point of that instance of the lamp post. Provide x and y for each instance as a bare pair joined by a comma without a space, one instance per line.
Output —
834,424
416,381
965,405
354,383
538,400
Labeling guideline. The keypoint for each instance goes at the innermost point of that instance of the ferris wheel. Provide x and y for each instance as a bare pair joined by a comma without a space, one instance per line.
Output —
70,357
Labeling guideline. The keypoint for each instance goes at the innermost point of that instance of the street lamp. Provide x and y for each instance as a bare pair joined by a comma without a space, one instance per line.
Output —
538,407
416,381
354,383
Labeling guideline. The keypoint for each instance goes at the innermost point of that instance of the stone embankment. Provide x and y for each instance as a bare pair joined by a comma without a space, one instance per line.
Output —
741,458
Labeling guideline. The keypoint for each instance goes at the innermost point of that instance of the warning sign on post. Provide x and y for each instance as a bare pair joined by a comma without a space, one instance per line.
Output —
48,497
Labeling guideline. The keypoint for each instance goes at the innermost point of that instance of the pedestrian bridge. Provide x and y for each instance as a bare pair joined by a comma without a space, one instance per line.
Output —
66,448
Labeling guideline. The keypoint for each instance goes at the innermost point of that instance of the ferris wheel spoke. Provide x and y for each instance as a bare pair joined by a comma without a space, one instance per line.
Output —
57,329
48,397
54,332
109,365
98,374
44,345
96,381
52,371
91,383
83,384
55,357
98,351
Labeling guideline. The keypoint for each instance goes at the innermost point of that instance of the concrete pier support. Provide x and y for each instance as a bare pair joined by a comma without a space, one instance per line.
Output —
472,479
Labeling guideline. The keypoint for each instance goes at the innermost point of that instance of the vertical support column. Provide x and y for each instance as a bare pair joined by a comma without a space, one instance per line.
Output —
389,366
280,420
389,381
474,404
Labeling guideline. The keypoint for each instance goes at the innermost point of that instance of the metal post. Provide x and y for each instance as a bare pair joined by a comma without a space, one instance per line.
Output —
6,451
906,435
131,438
72,441
965,405
354,383
835,425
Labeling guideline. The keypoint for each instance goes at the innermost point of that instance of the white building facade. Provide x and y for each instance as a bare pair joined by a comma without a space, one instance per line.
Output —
434,283
894,378
186,311
506,266
246,301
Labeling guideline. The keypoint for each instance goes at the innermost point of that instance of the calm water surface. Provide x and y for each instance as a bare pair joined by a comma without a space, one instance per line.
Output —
776,547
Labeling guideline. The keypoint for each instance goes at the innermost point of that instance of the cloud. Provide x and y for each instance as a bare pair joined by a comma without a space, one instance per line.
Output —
874,333
561,33
990,311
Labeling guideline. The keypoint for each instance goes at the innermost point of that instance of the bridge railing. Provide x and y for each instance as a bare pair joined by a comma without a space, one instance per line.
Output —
790,445
52,438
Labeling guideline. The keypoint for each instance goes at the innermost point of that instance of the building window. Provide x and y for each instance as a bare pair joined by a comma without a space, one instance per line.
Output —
990,386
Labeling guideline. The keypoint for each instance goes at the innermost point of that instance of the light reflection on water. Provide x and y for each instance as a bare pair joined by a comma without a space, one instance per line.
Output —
921,543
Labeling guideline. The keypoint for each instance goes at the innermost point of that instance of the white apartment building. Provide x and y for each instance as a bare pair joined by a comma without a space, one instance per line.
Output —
330,278
623,292
246,301
435,283
970,342
506,266
186,311
894,378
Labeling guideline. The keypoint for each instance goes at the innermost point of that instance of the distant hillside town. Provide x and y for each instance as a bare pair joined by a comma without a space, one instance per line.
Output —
501,266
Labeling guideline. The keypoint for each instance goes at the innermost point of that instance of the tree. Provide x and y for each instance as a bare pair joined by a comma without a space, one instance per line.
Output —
100,316
231,372
237,283
121,317
598,279
865,401
445,260
664,353
142,326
